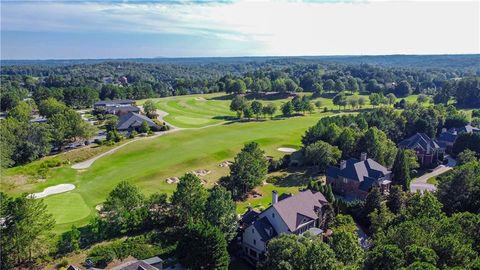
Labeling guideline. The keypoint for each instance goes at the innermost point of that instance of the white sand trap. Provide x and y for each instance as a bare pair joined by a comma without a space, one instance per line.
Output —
286,150
53,190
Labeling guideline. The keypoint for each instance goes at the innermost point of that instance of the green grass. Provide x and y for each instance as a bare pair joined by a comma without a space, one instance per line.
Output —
432,180
147,163
265,200
194,111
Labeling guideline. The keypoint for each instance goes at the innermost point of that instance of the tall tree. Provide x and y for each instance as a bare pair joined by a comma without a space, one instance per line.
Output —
220,211
257,108
202,246
25,228
378,146
247,171
124,209
401,169
189,199
322,154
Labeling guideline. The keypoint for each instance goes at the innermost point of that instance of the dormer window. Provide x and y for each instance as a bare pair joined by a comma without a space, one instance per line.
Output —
273,215
253,230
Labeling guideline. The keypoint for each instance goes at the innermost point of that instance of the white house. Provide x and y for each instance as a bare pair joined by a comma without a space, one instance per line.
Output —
287,214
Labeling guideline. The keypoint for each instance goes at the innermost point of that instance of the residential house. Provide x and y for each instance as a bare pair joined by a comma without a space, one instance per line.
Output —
113,103
154,263
448,137
354,178
291,214
132,121
428,150
121,110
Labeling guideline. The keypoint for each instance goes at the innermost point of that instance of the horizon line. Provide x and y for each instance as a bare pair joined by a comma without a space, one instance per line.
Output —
243,56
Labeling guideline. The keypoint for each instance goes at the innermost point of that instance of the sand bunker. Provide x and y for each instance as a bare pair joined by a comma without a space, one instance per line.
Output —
201,172
286,150
224,164
53,190
200,98
173,180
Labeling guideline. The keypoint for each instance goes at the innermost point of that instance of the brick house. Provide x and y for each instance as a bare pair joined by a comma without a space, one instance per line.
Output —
354,178
428,151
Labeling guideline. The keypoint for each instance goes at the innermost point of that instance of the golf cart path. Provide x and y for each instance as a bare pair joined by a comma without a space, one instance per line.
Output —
421,184
87,163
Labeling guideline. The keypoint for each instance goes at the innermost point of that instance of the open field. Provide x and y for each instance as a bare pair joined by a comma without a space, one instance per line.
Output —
147,163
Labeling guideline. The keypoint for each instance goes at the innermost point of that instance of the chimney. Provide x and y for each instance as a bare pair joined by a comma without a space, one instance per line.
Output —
274,196
363,156
343,164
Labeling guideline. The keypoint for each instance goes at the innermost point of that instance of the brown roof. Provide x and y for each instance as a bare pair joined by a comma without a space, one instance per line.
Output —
300,208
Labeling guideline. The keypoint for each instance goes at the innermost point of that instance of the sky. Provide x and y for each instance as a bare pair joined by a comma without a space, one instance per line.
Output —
133,29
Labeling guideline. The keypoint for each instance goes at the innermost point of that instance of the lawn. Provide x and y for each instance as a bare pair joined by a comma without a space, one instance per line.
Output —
194,111
147,163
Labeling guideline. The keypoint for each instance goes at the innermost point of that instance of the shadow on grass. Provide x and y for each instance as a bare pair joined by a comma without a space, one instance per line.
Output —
297,176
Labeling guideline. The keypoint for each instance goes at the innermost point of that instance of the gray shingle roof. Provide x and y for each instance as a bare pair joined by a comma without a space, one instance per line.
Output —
113,102
298,207
125,109
133,120
359,170
265,229
135,265
419,140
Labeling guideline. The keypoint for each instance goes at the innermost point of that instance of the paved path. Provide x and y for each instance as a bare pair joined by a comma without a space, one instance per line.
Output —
87,163
421,184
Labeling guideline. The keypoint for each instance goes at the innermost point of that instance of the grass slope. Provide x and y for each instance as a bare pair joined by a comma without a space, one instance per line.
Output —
147,163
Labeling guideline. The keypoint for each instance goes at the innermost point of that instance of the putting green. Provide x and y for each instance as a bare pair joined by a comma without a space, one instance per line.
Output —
67,207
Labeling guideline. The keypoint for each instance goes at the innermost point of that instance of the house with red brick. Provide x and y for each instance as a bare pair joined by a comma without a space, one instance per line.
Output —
428,151
354,178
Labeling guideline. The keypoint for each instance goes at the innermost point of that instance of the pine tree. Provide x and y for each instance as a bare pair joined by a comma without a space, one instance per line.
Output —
401,170
203,246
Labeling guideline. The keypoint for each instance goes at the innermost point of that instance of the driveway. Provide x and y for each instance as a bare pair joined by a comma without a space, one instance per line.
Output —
421,184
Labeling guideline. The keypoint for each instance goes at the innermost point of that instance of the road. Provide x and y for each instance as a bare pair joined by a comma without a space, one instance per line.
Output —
421,184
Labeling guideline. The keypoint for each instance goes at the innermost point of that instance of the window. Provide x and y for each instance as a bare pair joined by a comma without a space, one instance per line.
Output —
253,230
254,242
273,215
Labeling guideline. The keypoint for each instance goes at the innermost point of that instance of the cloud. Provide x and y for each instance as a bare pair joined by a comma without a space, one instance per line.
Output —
276,28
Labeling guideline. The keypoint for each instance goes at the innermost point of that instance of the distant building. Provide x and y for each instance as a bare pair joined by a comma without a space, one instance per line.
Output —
427,149
290,214
113,103
123,80
121,110
448,137
132,121
354,178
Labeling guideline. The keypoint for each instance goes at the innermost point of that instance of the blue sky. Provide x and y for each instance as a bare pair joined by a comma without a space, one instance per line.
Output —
126,29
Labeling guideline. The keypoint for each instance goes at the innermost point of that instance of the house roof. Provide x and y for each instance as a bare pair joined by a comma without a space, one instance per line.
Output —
116,109
113,102
419,140
296,210
448,136
135,265
468,129
133,120
359,170
265,229
250,216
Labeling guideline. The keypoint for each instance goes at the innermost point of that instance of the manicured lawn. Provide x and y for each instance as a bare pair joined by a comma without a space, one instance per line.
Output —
147,163
207,109
264,201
